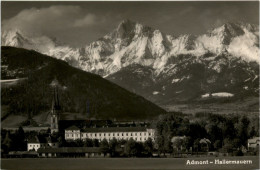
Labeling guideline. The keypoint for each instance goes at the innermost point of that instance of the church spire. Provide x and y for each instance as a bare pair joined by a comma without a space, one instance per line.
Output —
56,110
55,101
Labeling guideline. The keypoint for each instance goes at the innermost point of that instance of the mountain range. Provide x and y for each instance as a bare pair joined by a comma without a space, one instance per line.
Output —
164,69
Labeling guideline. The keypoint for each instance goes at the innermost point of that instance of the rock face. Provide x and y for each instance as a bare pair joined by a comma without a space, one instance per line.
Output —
161,67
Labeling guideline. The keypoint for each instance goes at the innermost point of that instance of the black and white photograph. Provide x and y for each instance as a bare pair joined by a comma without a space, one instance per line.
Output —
129,85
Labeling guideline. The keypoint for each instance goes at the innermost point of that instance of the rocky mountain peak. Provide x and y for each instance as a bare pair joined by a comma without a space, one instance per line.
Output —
128,28
131,42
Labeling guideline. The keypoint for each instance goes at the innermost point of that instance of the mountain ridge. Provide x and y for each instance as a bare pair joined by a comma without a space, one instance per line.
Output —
168,58
144,45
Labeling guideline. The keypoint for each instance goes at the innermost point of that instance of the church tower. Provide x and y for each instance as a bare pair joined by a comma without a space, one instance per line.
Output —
55,112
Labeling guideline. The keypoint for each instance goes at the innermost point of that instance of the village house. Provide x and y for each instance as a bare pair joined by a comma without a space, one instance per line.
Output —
37,142
139,134
253,143
205,144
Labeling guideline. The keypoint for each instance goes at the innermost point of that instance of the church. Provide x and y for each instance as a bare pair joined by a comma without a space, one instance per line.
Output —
97,129
55,112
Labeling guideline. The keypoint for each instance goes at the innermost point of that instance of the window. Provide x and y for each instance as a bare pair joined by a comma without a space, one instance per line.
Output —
135,134
149,134
131,134
135,138
118,134
113,134
95,134
72,135
140,134
109,134
126,134
104,134
122,134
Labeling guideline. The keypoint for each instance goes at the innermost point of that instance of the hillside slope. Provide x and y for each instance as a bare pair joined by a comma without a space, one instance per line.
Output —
79,91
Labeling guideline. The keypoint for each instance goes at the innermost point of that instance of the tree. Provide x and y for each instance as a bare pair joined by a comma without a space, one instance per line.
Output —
178,144
196,145
61,141
7,143
236,143
228,145
229,130
88,143
79,143
214,131
217,144
243,130
104,146
168,126
252,132
49,131
132,148
19,140
95,143
187,143
113,145
148,147
197,131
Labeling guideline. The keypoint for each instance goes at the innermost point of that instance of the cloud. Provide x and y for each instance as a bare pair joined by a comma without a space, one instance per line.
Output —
186,11
244,46
50,20
88,20
217,16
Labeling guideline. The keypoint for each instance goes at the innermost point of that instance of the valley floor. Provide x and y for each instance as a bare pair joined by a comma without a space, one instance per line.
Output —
249,105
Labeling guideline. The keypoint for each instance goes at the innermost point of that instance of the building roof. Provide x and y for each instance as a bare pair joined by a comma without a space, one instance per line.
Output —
174,138
42,139
254,140
70,150
116,129
33,139
204,140
73,128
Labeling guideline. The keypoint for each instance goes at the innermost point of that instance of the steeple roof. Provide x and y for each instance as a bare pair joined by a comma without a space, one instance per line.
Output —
55,101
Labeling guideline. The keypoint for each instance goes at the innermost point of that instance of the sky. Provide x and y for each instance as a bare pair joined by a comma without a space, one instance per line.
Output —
80,23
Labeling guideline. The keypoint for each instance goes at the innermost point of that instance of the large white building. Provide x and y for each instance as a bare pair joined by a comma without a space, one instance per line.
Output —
139,134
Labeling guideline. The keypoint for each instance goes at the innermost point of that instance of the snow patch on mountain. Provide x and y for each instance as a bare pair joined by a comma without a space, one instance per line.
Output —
219,94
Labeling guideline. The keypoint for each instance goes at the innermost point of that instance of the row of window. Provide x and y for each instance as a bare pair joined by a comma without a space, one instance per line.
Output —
127,138
40,145
107,134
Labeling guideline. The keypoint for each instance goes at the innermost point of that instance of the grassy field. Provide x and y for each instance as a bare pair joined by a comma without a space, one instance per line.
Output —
121,163
249,105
